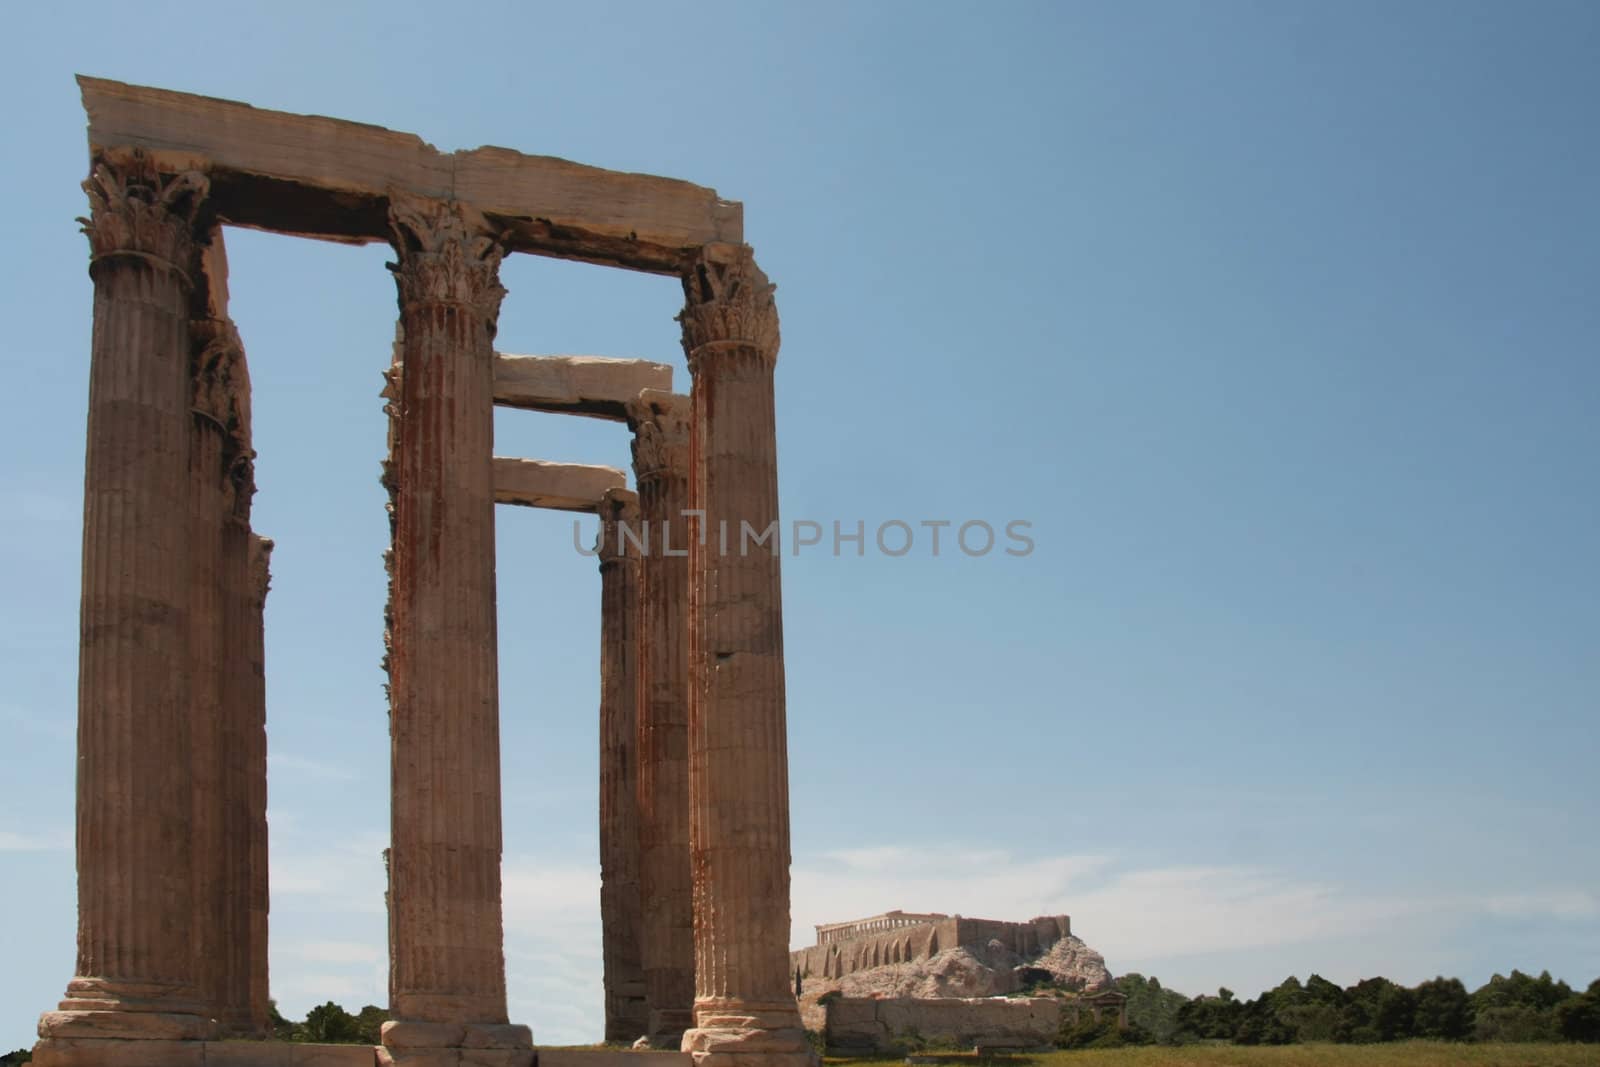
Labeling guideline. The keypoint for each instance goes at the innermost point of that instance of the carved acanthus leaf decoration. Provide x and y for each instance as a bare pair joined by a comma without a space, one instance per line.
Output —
660,424
443,259
728,301
134,210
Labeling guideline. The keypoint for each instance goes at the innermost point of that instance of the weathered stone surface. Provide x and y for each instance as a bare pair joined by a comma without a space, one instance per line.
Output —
575,385
135,879
172,798
102,1052
738,749
535,483
132,1025
215,354
623,978
248,798
454,1057
322,177
879,1024
982,958
660,423
407,1034
1076,965
509,1035
261,1053
587,1057
308,1055
227,688
448,963
497,1057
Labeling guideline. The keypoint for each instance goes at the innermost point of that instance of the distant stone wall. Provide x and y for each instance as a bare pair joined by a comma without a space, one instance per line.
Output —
860,1025
839,956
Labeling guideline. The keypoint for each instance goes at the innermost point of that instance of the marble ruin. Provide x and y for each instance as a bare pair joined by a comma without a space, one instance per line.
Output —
171,788
901,937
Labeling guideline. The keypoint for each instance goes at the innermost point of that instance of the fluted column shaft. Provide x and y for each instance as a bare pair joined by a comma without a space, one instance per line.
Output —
212,744
619,824
135,893
248,1010
448,959
227,681
660,424
738,752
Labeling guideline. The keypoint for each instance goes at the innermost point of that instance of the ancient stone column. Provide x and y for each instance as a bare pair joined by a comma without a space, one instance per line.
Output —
227,682
249,910
660,423
136,967
215,552
619,824
738,751
447,950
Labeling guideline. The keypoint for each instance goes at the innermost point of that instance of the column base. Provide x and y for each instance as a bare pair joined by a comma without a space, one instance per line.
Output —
423,1044
750,1038
102,1008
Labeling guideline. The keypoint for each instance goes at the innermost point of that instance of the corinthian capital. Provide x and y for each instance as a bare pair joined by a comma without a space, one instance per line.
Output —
135,211
728,302
444,258
660,423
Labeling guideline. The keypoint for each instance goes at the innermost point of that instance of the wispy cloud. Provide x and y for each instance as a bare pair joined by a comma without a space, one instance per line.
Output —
33,506
288,763
335,952
553,965
1196,926
345,878
59,726
59,841
1547,904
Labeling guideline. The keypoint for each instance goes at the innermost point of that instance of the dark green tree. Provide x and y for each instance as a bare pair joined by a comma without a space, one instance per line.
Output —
282,1028
1376,1009
1518,1007
329,1024
1578,1018
1150,1007
369,1024
1209,1018
1443,1010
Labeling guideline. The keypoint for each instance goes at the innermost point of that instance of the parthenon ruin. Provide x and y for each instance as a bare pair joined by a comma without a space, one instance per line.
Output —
171,788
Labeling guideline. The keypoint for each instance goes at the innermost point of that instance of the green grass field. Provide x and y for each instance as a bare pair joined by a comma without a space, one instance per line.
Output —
1400,1054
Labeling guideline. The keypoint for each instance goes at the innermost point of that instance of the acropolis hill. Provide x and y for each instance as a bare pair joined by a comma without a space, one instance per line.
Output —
905,937
866,980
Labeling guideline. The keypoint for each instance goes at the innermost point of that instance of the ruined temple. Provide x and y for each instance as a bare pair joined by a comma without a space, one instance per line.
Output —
887,982
903,937
172,833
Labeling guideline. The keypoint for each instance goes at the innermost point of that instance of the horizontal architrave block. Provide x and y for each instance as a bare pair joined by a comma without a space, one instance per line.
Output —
534,483
576,385
328,178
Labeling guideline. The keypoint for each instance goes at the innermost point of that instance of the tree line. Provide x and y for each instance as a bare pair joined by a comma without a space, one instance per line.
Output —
330,1024
1518,1007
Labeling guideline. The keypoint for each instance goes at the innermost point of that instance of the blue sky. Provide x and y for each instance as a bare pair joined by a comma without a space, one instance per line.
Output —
1277,322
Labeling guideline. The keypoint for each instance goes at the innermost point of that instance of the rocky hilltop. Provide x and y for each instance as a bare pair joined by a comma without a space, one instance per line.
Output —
977,967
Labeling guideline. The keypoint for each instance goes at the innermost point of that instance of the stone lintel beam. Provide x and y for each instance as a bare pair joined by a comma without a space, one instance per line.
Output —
576,385
534,483
320,177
